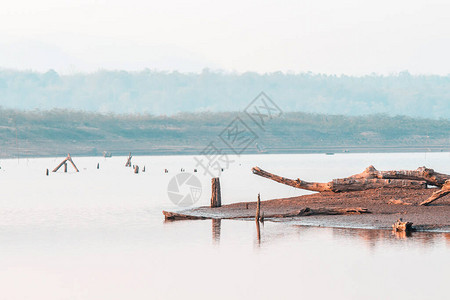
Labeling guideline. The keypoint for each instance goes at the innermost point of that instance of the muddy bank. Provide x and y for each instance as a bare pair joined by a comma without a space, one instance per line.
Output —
384,207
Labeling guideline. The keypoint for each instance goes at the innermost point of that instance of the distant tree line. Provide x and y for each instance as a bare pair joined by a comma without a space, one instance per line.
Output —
168,93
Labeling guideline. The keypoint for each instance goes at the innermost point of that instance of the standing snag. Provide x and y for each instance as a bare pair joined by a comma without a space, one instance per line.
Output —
258,208
216,199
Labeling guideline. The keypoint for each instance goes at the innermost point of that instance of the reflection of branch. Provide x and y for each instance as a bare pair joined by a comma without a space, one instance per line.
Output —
258,232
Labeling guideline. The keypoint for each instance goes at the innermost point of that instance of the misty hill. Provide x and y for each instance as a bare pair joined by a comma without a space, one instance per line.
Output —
164,93
57,132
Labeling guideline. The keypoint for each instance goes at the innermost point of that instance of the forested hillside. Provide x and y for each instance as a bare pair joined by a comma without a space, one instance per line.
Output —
164,93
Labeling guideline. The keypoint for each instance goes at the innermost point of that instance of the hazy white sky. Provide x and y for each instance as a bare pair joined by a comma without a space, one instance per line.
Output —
323,36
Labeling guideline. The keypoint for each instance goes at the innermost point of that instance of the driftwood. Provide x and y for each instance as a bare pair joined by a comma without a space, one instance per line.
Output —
369,179
420,174
402,226
398,202
172,216
323,211
297,213
64,162
445,190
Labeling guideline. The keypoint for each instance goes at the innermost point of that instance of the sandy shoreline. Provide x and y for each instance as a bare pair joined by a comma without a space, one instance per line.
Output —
380,203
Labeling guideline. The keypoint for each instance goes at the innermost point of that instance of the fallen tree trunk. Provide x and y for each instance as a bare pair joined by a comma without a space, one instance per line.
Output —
354,183
438,194
323,211
189,215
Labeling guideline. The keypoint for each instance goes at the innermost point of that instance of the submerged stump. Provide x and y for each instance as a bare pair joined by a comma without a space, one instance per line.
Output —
402,226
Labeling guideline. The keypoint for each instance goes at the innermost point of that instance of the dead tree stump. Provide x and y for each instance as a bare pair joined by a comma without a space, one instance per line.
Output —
216,200
402,226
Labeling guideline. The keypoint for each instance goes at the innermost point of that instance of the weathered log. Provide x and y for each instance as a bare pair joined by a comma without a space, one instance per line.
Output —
322,211
398,202
216,200
179,216
192,215
420,174
343,184
445,190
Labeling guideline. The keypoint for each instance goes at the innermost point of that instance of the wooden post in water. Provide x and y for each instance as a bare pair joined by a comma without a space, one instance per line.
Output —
65,167
98,166
216,200
258,208
47,172
136,169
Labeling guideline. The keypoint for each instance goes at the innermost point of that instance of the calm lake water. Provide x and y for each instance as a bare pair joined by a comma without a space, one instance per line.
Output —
100,234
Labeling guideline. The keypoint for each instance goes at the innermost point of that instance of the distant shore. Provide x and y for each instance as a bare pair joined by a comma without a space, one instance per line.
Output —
167,151
58,132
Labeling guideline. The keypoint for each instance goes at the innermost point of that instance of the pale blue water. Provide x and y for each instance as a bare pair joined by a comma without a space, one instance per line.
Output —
100,234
